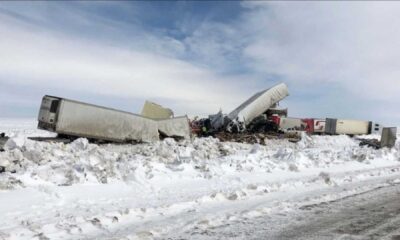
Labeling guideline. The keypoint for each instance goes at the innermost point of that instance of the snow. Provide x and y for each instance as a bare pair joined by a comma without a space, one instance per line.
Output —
83,190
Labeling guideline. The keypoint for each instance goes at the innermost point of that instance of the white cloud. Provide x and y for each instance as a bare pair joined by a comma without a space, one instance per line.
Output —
352,44
32,57
344,53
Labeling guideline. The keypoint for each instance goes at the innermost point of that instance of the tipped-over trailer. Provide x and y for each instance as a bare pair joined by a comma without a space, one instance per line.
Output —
77,119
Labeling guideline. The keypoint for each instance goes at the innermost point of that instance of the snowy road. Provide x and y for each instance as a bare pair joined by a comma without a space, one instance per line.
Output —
374,214
369,214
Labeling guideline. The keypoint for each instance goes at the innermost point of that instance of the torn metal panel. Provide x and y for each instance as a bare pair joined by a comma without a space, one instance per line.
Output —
175,127
259,103
217,120
330,126
277,111
3,140
155,111
388,138
292,123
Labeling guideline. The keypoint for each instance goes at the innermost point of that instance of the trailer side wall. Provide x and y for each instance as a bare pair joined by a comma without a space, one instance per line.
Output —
319,125
175,127
353,127
85,120
295,123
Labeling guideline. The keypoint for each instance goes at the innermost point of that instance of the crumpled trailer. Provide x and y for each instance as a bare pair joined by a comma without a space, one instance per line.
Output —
78,119
177,127
256,105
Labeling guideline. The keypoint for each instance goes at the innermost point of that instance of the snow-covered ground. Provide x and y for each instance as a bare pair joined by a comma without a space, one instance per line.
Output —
85,191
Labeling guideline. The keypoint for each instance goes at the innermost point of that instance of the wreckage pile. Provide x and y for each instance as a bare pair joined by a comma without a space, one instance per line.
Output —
253,121
72,119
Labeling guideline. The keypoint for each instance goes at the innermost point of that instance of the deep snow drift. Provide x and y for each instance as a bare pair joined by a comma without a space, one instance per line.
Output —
82,190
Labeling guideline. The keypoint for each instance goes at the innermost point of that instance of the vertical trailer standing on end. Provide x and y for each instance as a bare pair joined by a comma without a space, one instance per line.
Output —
256,105
388,138
79,119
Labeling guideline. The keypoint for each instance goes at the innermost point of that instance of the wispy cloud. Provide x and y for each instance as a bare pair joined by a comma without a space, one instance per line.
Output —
33,57
338,58
354,44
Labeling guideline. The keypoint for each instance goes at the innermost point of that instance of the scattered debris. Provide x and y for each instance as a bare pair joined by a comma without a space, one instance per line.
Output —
277,111
252,121
388,139
51,139
253,117
374,143
217,121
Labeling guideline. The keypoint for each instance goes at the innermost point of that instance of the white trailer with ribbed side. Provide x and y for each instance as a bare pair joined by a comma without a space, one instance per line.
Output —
78,119
350,127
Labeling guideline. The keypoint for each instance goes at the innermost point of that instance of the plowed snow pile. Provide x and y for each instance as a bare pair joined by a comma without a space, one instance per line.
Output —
82,190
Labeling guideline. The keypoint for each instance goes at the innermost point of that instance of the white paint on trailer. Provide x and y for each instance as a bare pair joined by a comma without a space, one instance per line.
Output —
175,127
353,127
91,121
291,123
376,128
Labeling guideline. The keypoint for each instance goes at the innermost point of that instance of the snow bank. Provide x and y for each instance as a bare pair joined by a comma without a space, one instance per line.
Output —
83,190
80,162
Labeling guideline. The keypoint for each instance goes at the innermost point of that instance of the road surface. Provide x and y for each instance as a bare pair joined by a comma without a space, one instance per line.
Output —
372,214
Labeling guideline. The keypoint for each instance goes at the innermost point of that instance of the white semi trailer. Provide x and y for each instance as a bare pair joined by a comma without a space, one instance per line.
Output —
78,119
344,126
256,105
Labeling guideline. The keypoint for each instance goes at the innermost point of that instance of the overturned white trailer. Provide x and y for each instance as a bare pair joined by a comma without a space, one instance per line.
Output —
78,119
258,104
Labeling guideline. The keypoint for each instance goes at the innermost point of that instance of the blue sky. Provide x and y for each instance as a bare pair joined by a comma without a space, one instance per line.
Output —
339,59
